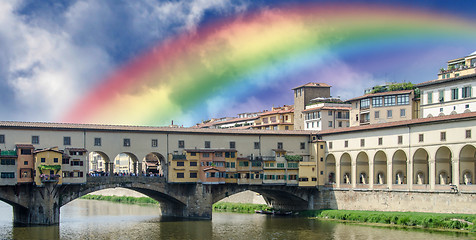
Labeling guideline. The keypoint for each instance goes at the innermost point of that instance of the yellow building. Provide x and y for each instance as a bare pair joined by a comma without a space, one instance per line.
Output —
184,167
311,173
48,166
279,118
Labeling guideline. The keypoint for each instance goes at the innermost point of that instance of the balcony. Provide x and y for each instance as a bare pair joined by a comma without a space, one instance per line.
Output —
45,178
8,153
456,72
268,158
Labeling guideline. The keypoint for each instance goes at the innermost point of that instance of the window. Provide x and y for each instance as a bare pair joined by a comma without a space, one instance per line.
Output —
97,141
303,145
286,127
155,143
8,161
403,99
389,100
365,103
180,175
207,144
443,136
43,159
25,163
127,142
380,141
232,145
362,142
55,160
25,152
400,139
420,138
232,165
2,138
280,145
441,96
65,161
118,162
180,164
402,113
466,92
322,146
243,164
389,113
468,133
181,144
430,97
377,114
66,141
35,139
193,163
7,175
80,174
346,143
330,123
193,175
330,145
454,94
340,124
377,101
206,155
218,154
193,154
322,160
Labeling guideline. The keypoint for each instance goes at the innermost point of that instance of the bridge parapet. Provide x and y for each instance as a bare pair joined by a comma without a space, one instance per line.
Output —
124,179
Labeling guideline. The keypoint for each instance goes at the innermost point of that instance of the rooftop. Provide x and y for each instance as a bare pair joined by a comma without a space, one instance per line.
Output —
439,81
326,108
311,84
380,94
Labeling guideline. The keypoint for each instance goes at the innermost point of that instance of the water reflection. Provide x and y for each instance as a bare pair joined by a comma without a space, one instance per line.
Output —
89,219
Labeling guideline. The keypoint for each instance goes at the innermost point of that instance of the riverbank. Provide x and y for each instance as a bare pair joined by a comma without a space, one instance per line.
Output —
122,199
439,221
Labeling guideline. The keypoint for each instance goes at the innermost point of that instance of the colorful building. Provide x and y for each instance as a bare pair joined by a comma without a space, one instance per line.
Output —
26,162
8,167
48,163
74,165
326,115
279,118
303,96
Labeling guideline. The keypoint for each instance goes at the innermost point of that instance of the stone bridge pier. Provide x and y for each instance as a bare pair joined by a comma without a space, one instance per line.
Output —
34,205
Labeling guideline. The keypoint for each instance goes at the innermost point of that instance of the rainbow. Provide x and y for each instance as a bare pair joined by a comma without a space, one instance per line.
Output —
256,55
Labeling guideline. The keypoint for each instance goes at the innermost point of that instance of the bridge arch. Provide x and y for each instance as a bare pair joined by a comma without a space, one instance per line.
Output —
126,163
331,169
420,166
467,164
362,162
399,167
443,165
346,168
380,167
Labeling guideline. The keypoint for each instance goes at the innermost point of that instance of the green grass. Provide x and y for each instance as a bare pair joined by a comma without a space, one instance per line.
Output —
238,207
121,199
414,219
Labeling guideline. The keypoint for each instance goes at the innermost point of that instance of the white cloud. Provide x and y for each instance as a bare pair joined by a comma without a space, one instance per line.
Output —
53,60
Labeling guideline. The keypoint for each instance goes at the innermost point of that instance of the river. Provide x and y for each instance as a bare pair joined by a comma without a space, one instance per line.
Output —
90,219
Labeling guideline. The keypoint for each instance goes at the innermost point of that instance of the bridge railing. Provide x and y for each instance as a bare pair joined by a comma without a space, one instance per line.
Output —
125,179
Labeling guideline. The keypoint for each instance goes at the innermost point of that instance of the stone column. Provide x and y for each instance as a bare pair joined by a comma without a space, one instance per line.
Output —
432,173
371,174
338,174
354,172
389,174
456,173
409,174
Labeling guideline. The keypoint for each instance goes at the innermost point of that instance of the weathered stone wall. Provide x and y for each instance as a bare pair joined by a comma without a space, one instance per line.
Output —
437,202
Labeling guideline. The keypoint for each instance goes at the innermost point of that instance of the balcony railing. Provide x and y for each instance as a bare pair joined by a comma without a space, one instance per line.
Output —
268,158
364,121
49,178
8,153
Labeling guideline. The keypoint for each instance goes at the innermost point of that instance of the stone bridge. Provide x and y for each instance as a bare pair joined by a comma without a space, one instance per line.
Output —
41,205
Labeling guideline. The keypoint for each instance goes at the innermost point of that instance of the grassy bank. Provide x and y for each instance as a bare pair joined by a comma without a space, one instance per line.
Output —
412,219
238,207
121,199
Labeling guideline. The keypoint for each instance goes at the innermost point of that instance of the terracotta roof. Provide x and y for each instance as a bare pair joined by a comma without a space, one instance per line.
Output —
380,94
125,128
273,124
399,123
24,146
76,150
438,81
211,168
326,108
277,112
49,149
311,84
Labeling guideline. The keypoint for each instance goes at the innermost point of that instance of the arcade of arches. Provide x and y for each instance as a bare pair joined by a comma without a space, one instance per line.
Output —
126,163
424,169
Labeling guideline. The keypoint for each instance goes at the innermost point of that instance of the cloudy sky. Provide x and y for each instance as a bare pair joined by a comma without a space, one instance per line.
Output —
53,53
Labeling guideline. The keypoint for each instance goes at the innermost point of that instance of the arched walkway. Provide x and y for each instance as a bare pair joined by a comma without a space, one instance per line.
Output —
99,162
345,169
443,166
420,167
154,163
380,168
399,167
126,163
467,165
330,169
362,168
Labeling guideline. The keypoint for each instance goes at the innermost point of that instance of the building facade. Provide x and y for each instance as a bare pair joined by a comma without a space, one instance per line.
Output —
324,116
279,118
302,97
